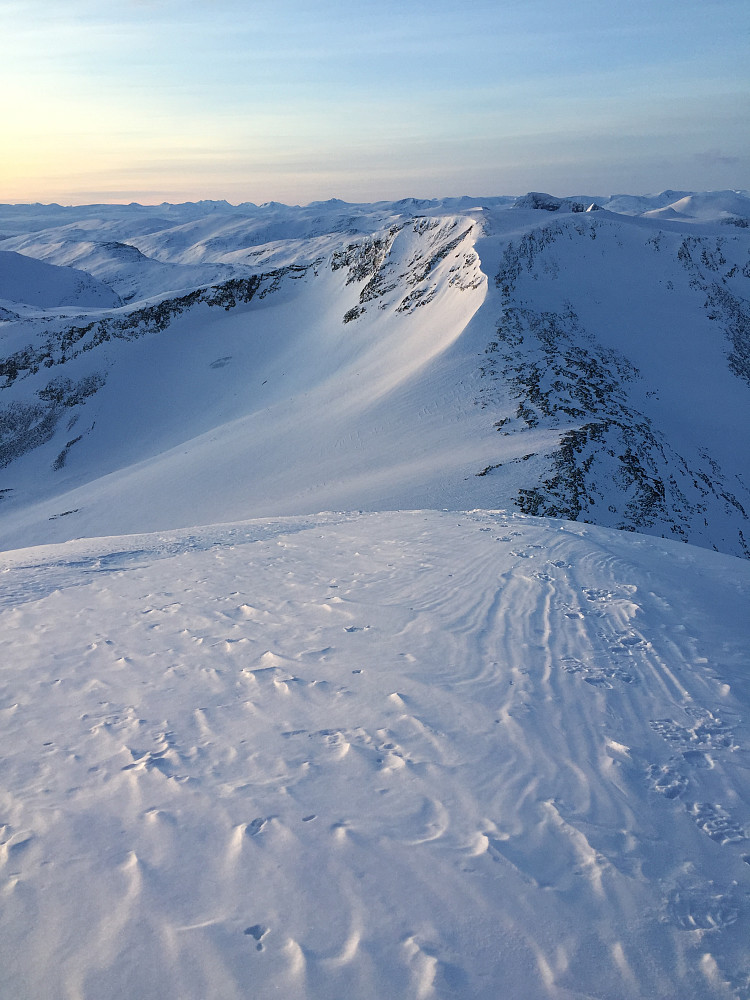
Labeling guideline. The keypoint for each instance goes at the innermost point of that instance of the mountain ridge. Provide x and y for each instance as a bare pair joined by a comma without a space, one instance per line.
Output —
510,337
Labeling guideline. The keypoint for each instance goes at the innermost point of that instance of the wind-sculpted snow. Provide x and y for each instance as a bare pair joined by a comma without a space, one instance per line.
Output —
412,754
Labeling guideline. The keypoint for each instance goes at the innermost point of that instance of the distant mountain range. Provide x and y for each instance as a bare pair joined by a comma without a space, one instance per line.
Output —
584,357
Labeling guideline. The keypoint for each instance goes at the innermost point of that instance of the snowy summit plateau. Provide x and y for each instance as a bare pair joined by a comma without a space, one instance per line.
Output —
374,599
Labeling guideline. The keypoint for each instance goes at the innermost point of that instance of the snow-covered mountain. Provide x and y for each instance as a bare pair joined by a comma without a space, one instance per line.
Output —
475,730
32,282
539,353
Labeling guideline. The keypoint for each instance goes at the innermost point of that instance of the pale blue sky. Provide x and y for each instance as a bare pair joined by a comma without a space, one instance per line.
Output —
154,100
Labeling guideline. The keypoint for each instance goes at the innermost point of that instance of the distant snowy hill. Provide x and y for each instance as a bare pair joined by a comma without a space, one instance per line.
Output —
340,653
31,282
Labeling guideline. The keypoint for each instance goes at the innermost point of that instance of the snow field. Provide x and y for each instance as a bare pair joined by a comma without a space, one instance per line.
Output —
410,754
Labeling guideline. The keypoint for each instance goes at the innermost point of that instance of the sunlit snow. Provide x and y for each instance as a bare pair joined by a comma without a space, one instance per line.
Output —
296,700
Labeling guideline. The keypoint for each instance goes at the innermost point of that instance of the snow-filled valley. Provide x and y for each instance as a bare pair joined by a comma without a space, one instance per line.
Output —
455,736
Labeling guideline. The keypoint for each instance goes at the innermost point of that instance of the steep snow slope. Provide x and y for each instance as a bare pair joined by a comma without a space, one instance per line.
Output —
385,755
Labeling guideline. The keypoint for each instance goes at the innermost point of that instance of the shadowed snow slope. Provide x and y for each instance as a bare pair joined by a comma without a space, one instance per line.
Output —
381,755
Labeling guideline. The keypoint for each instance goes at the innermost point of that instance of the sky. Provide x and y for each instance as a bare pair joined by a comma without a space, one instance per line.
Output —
296,101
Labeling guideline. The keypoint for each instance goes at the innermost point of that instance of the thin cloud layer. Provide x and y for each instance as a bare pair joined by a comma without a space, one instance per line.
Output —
297,101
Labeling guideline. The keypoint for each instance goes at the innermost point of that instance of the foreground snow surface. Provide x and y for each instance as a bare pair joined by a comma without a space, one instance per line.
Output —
416,754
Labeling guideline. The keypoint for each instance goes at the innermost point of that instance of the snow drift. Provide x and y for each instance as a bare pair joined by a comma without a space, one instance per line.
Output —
407,754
